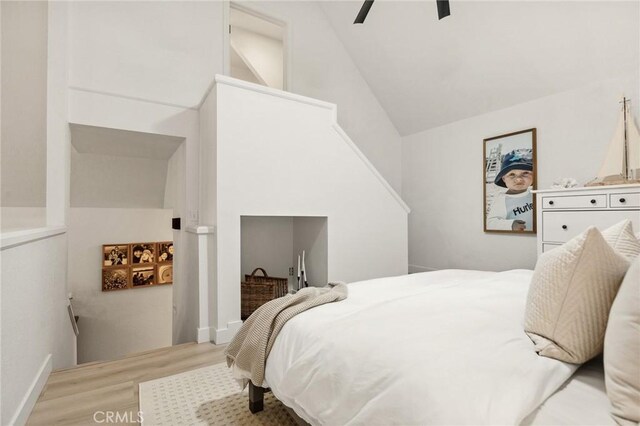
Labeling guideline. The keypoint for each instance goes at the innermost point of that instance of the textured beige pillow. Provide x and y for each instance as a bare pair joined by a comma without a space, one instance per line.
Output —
620,236
572,289
622,350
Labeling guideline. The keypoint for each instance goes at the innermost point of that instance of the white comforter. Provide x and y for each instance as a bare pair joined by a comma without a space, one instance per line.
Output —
444,347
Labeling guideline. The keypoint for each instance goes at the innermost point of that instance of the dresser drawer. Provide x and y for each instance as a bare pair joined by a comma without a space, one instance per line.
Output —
575,202
560,227
624,200
549,246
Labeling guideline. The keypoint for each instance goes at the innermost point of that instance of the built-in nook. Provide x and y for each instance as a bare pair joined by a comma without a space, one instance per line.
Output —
123,191
275,242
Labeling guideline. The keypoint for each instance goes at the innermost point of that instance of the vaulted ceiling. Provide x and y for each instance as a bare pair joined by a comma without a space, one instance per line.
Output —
486,56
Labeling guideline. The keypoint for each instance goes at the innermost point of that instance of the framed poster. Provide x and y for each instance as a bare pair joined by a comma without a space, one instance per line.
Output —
509,172
165,252
142,276
115,255
116,278
165,273
143,253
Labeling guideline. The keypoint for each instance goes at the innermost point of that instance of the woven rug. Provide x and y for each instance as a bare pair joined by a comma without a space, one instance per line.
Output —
207,396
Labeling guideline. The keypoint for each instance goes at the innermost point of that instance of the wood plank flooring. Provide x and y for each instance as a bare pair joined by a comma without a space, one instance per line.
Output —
74,395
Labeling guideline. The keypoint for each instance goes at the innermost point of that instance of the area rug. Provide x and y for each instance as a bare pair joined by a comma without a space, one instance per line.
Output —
207,396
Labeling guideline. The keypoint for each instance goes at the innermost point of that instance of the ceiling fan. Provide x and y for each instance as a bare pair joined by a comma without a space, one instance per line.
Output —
443,10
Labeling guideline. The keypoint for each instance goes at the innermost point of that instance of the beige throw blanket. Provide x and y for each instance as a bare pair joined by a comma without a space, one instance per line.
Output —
247,353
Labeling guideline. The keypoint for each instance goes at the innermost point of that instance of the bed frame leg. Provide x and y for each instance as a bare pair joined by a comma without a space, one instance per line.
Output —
256,398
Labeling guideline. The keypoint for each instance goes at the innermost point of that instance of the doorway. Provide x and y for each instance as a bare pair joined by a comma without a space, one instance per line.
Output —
257,48
123,196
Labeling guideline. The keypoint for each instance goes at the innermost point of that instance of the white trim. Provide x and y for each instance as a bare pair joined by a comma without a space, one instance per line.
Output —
224,335
371,167
419,268
23,411
229,81
587,188
201,229
17,238
203,232
204,334
203,281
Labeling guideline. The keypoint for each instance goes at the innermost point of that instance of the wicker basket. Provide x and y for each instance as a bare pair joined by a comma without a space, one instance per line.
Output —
257,290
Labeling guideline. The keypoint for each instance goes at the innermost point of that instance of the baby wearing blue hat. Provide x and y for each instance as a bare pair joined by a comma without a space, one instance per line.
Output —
513,210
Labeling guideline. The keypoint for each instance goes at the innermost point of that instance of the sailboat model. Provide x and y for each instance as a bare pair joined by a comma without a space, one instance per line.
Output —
622,163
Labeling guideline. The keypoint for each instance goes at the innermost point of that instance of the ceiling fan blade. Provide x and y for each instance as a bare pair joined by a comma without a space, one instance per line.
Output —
364,11
443,8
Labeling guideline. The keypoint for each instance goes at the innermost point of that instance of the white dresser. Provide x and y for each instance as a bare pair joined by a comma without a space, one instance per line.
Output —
564,213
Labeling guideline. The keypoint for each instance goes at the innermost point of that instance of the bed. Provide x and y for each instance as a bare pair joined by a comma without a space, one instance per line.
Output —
443,347
581,400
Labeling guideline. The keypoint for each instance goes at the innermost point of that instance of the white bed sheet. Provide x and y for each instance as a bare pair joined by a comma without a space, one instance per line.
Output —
582,400
444,347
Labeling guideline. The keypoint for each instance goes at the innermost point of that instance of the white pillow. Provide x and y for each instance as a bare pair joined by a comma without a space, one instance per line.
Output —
622,350
571,292
620,236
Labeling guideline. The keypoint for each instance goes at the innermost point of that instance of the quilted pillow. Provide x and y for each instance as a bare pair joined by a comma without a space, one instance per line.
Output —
622,350
620,236
571,292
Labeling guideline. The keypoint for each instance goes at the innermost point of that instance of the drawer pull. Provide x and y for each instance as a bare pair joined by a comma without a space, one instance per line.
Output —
623,200
593,201
551,202
564,226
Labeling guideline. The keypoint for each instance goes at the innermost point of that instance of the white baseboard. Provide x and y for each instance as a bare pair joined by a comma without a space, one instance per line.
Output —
29,400
224,335
419,268
204,335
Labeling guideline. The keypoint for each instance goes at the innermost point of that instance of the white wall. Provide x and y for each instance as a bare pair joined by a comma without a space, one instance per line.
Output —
35,322
157,51
322,68
208,159
24,104
292,144
266,242
0,217
117,323
310,235
16,218
58,132
185,267
174,184
239,69
263,54
116,181
442,179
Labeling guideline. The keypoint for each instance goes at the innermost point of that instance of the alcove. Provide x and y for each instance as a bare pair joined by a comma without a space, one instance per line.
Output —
122,191
275,242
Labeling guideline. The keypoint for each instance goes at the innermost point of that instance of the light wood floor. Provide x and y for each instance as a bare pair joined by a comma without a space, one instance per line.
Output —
72,396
